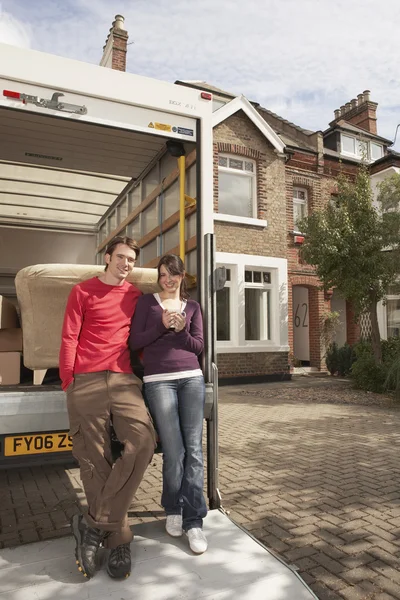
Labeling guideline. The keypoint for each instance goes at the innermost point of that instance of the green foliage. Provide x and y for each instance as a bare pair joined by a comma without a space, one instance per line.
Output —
346,359
392,381
390,349
346,241
367,374
339,360
332,358
377,377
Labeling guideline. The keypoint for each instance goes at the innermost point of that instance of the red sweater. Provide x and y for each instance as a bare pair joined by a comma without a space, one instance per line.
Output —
96,329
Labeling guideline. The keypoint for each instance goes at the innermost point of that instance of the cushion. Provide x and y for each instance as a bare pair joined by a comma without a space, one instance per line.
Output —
42,292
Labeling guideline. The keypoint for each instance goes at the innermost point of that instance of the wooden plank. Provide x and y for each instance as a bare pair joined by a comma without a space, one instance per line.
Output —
168,181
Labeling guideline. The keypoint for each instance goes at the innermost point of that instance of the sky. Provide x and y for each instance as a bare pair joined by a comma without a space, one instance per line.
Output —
299,58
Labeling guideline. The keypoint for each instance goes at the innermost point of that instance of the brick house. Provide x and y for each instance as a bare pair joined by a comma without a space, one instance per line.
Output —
311,162
268,173
315,160
388,311
250,231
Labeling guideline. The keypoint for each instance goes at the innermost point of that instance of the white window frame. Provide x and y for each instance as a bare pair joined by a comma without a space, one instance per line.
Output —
342,150
264,287
244,173
378,146
300,202
357,151
232,286
238,264
382,314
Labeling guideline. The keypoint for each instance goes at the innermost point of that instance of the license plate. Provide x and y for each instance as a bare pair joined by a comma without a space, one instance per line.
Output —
37,443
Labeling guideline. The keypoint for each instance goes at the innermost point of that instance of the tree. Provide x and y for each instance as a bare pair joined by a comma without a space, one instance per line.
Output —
354,244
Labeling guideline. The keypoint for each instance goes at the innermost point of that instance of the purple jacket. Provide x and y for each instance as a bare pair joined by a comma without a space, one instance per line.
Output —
165,351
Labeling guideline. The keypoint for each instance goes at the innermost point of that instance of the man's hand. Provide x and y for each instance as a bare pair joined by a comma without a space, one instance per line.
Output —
70,384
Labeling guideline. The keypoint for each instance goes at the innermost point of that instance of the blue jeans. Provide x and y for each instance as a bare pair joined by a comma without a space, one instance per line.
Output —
177,408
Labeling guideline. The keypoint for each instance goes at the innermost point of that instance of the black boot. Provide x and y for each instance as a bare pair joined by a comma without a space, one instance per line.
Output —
119,562
88,540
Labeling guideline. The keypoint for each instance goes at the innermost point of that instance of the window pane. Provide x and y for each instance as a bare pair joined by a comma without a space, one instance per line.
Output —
235,194
266,277
348,144
222,161
257,276
299,211
228,274
299,194
362,149
257,317
393,318
235,163
223,314
248,276
249,166
376,151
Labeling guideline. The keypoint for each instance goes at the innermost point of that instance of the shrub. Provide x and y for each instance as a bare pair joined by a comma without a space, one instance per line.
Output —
346,358
367,374
332,358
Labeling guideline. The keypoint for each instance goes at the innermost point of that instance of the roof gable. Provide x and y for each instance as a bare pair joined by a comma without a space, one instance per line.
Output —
241,103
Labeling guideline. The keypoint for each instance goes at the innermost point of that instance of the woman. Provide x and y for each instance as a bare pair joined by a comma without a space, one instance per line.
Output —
169,328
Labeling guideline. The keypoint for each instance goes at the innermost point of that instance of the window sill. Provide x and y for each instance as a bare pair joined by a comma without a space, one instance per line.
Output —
242,349
241,220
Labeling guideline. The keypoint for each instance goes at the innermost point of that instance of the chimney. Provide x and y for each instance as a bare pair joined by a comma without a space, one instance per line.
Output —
114,50
360,112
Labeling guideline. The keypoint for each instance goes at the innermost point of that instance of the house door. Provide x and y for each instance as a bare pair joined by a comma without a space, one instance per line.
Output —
301,330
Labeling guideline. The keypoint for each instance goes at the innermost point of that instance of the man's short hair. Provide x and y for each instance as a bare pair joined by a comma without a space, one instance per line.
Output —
119,239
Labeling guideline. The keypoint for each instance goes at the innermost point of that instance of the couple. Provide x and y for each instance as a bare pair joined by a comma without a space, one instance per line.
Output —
102,391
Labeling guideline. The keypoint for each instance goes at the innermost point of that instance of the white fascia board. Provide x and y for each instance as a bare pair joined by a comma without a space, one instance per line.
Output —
241,103
380,175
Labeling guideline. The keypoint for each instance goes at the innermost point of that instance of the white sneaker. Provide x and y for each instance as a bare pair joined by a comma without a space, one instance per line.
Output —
173,525
197,540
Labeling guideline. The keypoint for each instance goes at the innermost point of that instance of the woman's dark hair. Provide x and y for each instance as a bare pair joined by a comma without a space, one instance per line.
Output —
174,266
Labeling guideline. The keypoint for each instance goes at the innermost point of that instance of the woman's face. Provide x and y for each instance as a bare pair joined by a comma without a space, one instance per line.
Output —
169,283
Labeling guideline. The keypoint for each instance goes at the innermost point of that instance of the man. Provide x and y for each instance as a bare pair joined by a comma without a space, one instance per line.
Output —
97,376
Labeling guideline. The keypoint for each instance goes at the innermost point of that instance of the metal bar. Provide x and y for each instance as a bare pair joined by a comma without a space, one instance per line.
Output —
182,174
211,372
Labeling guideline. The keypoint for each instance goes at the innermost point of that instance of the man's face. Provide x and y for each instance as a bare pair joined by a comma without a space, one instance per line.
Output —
121,262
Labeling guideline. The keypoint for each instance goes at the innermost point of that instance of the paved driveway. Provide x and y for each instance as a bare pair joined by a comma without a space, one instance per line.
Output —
309,467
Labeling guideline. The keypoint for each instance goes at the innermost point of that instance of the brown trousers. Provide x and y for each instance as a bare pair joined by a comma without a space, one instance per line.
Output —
110,489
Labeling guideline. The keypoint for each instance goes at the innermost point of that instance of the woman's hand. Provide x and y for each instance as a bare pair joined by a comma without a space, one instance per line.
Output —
180,321
167,319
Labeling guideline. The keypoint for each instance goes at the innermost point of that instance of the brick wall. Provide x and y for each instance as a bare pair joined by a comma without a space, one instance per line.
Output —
248,364
238,135
119,50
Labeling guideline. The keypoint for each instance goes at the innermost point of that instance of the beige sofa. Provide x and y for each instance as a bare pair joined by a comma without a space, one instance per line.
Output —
42,292
10,343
